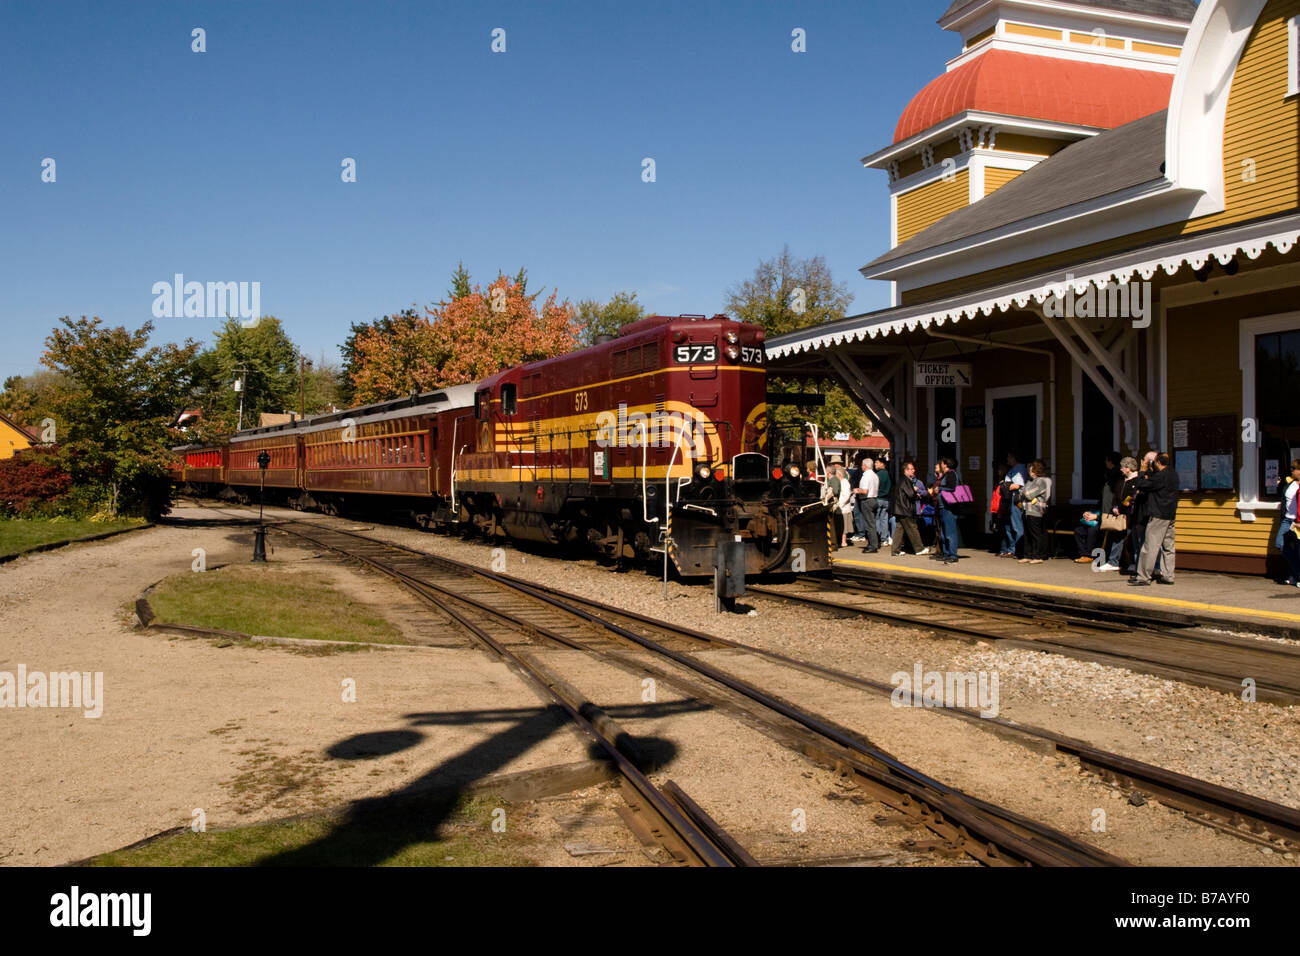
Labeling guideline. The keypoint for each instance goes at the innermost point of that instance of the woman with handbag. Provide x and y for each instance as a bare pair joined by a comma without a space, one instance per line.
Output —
1117,521
1033,498
944,494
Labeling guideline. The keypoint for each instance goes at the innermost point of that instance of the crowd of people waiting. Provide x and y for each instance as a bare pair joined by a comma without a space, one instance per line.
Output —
1132,529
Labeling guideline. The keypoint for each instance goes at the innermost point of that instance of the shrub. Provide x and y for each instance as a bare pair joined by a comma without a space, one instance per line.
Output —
33,484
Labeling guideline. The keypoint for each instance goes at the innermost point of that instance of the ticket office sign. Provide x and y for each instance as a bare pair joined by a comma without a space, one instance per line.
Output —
942,374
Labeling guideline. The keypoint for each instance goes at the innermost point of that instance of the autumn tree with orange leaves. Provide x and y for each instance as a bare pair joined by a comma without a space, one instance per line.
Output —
462,340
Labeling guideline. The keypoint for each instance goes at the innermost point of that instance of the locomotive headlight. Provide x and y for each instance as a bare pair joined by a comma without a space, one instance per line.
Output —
793,471
705,472
733,353
733,338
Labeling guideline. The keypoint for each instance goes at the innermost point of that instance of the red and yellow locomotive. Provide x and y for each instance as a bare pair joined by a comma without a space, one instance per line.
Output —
655,438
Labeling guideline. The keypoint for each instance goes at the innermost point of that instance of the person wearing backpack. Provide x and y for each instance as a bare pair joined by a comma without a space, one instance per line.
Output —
905,501
1033,498
884,520
1000,508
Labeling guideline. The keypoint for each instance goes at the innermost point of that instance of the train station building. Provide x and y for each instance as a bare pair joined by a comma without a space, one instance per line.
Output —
1095,213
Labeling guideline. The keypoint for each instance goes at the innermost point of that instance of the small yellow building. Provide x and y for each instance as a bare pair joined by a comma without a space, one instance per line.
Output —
13,438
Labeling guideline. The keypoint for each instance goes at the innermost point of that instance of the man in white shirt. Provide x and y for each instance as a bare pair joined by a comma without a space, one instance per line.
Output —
868,495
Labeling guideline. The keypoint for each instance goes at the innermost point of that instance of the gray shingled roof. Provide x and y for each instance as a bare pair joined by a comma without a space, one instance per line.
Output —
1170,9
1121,158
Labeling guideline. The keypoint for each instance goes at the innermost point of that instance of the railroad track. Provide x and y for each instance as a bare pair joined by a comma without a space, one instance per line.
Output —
1193,655
498,610
1239,814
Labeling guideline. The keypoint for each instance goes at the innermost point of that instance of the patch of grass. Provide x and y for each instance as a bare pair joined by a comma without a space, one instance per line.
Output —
465,838
269,601
19,534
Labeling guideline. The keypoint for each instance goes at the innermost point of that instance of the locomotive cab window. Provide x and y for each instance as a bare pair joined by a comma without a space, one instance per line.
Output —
509,399
478,405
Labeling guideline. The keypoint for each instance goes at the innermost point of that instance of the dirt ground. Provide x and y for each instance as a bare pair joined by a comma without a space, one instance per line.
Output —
242,734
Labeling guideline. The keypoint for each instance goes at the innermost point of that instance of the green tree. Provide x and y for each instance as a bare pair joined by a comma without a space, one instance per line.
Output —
30,399
114,419
598,319
262,358
460,283
784,295
322,384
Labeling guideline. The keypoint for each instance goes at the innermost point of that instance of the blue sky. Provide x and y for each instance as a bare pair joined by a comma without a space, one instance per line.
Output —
225,165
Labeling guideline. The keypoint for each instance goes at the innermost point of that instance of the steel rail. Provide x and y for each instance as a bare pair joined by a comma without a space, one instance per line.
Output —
1238,813
1056,633
1026,840
694,838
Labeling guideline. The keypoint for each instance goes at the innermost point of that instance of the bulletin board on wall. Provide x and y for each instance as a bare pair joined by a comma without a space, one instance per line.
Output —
1205,452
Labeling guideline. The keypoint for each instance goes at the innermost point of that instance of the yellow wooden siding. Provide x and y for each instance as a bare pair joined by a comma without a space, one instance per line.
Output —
996,178
1024,29
922,207
907,167
1210,524
12,439
1201,360
1029,145
1205,379
1093,39
980,37
949,149
1262,124
1161,49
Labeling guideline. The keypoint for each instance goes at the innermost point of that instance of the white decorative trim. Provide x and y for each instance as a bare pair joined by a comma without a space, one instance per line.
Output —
1282,234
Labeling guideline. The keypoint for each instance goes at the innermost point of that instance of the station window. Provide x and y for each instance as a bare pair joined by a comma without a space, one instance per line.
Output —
1277,407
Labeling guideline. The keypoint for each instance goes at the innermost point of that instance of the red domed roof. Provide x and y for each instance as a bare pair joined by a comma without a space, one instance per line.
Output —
1038,87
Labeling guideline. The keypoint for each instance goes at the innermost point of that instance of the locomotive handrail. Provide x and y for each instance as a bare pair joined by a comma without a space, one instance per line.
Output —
817,449
645,472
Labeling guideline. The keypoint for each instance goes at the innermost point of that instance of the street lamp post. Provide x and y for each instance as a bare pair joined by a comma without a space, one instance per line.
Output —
259,538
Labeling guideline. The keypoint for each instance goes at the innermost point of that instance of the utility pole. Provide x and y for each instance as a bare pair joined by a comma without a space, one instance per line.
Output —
304,363
241,386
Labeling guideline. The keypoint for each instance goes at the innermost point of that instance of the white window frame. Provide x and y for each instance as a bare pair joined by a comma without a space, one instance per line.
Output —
1293,56
1248,475
1013,391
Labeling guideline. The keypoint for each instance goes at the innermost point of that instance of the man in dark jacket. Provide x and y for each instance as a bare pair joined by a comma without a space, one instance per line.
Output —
904,502
1160,489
